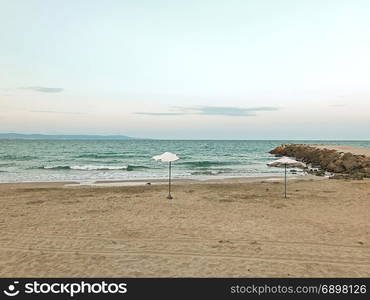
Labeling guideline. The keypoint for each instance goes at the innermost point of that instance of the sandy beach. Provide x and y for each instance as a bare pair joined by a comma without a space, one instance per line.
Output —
235,228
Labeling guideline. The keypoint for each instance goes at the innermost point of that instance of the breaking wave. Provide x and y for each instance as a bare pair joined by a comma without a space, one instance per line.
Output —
211,172
93,168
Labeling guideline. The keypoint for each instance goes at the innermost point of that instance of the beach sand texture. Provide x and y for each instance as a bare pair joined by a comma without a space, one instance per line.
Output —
345,148
231,229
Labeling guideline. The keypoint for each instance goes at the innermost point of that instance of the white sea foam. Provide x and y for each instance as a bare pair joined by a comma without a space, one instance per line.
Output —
92,168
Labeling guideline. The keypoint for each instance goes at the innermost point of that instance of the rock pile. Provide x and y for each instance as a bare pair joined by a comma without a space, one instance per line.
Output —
343,165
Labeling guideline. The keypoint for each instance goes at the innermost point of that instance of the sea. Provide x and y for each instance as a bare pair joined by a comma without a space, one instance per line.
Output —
31,160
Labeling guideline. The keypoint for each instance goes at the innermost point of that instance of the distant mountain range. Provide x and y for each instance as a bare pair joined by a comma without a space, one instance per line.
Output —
63,137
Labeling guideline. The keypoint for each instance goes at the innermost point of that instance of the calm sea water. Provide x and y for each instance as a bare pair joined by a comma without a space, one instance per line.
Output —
60,160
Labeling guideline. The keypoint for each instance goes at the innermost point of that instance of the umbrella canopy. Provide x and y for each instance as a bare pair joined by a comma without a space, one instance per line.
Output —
286,161
166,157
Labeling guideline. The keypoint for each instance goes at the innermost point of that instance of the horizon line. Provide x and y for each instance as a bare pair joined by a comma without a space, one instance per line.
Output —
115,136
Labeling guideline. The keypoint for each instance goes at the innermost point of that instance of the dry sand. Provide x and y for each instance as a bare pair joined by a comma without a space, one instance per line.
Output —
234,229
343,148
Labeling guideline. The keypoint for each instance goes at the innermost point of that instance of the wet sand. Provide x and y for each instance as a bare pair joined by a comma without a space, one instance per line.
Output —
232,228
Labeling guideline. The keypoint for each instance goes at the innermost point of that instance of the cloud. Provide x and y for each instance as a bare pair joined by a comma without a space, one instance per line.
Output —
56,112
43,89
160,114
230,111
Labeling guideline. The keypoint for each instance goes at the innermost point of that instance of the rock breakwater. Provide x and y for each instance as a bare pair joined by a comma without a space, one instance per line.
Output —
341,165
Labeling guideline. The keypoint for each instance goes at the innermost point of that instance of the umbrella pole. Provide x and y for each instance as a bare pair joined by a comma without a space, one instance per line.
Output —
169,182
285,181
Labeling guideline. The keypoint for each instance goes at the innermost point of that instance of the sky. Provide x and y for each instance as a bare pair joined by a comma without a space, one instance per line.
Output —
248,69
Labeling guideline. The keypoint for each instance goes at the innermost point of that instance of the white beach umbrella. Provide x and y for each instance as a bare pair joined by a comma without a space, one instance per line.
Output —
167,157
286,162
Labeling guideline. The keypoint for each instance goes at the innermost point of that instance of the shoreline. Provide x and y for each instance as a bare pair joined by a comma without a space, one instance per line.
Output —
144,182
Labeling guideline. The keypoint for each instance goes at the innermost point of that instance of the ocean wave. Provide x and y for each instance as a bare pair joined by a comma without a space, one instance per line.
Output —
206,163
103,156
53,167
132,167
93,168
206,173
7,164
211,172
17,157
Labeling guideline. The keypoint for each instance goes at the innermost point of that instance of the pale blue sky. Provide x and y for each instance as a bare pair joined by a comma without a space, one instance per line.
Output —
186,69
